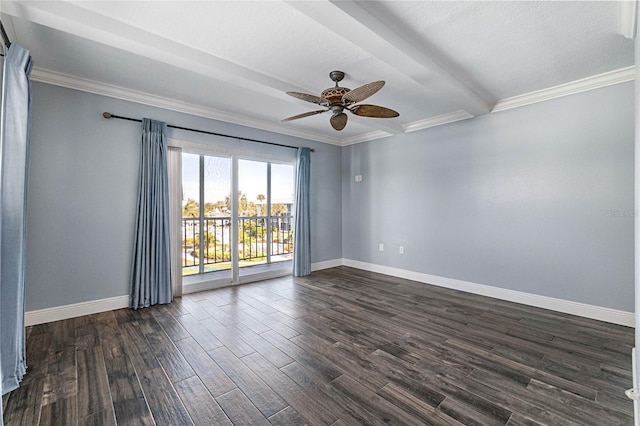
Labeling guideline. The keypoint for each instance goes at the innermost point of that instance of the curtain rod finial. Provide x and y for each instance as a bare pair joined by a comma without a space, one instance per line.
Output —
106,114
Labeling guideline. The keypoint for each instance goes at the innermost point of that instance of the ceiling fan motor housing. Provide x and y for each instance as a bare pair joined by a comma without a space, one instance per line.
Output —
334,94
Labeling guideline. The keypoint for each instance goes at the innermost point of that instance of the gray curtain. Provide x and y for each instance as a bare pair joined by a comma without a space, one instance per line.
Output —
14,141
302,227
151,271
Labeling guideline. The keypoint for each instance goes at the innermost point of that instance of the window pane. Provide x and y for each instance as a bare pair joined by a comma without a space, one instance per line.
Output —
217,214
282,199
252,210
190,213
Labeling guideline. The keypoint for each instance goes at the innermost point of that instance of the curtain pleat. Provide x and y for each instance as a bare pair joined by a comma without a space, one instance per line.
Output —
175,212
302,227
151,270
15,125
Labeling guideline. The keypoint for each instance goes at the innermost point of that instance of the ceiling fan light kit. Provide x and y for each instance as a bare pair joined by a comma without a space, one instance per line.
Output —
337,99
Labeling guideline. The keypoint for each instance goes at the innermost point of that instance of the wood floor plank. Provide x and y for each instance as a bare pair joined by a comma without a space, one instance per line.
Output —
575,405
512,370
288,416
169,324
202,407
276,322
129,403
319,365
165,404
341,346
94,395
466,414
315,386
210,373
23,404
61,412
367,405
169,356
240,410
61,380
100,418
199,332
260,394
229,338
262,346
314,411
415,406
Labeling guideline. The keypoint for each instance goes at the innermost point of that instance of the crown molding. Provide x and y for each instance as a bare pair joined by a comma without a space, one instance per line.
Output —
438,120
64,80
91,86
365,137
589,83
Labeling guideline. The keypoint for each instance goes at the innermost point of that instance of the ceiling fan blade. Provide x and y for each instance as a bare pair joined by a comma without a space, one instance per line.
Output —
374,111
306,97
338,121
305,114
363,92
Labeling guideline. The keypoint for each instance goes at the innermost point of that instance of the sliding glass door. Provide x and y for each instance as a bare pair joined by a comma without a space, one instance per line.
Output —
281,203
206,214
265,214
252,213
234,236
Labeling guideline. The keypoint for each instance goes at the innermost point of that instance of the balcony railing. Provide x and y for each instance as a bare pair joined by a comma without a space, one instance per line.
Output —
254,245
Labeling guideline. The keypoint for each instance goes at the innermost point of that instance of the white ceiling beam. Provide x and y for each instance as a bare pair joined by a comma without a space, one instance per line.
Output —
73,19
389,43
627,16
76,20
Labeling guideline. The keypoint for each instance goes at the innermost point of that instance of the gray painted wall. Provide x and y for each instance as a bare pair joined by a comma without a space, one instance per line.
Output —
526,199
82,193
520,199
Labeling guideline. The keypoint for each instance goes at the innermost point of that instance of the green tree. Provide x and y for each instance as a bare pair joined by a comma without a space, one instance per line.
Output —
221,207
209,209
278,208
242,203
191,208
252,231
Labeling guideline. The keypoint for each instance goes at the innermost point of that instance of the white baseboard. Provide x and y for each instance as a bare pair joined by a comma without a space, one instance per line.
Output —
581,309
560,305
58,313
326,264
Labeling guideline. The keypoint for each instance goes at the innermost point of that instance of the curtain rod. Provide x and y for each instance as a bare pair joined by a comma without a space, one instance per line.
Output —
5,37
108,115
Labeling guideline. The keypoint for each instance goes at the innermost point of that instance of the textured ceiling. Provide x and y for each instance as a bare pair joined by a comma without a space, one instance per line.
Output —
234,60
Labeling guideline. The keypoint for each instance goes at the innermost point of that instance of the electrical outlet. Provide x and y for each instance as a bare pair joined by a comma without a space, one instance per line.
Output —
381,247
358,178
401,249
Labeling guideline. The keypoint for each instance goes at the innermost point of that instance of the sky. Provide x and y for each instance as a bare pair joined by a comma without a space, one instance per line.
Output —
252,177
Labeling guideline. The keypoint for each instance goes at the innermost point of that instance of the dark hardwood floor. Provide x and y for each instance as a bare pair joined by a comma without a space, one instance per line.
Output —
339,347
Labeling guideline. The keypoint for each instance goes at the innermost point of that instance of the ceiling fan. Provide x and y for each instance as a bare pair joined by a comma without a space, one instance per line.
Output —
338,99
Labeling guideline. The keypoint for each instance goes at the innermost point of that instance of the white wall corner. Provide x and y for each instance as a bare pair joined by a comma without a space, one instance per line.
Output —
559,305
326,264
